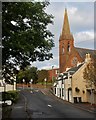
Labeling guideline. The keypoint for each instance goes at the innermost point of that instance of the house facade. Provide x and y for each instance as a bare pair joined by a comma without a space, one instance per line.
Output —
4,87
52,74
74,87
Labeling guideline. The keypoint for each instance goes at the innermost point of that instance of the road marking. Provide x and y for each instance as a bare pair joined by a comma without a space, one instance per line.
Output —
49,105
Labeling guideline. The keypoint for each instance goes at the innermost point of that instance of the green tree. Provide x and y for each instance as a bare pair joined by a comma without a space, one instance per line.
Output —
89,74
42,74
28,73
25,35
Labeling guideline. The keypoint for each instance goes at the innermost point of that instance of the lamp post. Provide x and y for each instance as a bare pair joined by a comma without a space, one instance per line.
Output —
23,83
45,82
52,73
31,84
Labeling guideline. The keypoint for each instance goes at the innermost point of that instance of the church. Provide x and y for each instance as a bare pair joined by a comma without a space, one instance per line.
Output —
70,84
69,55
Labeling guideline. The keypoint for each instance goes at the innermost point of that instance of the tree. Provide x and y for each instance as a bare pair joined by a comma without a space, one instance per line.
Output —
25,35
90,76
28,74
42,74
89,73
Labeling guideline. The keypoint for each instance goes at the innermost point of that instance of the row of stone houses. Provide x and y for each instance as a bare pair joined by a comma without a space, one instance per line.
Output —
72,87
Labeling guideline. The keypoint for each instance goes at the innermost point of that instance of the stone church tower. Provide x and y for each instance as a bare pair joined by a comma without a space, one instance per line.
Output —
66,47
69,55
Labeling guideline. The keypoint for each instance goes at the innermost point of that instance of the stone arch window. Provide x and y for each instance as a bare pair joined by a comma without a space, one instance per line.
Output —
68,48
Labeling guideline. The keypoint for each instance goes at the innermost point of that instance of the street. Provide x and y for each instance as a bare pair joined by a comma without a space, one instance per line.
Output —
40,105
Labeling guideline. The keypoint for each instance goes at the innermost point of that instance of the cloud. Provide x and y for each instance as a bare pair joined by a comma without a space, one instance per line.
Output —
84,39
72,10
80,20
84,36
47,64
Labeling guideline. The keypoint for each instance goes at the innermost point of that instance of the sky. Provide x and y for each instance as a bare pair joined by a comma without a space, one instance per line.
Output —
81,20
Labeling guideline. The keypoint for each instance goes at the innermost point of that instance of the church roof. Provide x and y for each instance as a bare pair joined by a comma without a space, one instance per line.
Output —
83,51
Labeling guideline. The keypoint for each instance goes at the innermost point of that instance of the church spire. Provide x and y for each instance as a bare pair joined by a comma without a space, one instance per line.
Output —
66,34
66,27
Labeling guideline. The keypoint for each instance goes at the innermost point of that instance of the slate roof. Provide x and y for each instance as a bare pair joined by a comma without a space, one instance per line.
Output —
71,70
74,68
83,51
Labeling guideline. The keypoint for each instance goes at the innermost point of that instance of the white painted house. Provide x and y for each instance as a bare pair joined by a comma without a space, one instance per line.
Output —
63,85
7,87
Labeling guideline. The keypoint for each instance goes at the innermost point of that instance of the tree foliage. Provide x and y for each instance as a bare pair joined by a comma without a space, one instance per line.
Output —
27,74
42,74
25,35
89,73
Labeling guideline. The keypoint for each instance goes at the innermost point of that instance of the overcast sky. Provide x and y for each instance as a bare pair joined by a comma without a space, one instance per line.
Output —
81,20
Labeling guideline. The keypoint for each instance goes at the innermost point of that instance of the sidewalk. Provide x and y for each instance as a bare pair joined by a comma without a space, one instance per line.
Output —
19,109
84,106
87,106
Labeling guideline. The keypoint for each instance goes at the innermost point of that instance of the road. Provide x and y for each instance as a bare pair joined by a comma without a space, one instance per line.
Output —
39,105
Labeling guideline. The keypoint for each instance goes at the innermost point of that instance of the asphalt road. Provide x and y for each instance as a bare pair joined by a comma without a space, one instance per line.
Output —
39,105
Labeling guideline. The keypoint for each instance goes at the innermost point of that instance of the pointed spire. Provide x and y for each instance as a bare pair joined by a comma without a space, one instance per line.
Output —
66,27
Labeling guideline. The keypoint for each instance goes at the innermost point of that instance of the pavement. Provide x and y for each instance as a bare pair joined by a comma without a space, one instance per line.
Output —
19,109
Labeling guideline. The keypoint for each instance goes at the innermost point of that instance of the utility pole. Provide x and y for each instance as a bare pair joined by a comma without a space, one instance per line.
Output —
31,84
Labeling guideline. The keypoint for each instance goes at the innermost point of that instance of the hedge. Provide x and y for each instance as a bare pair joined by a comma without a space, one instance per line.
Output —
10,95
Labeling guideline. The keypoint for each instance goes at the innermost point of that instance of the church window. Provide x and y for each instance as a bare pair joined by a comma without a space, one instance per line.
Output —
62,50
74,61
68,48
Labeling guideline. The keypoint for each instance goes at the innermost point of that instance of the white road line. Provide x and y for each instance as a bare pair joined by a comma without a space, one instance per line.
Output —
49,105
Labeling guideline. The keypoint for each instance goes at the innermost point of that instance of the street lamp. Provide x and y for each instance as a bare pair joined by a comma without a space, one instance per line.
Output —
23,83
45,82
31,84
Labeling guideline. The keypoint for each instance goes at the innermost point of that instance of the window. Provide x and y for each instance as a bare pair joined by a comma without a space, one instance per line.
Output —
74,61
62,91
57,71
68,48
62,50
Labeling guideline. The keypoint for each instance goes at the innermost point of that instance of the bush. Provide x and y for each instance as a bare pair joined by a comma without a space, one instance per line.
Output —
10,95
